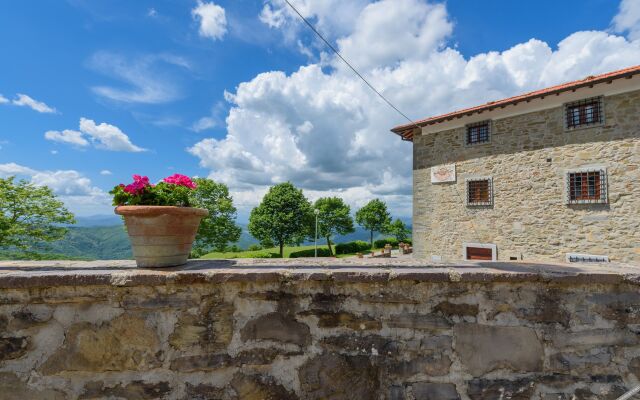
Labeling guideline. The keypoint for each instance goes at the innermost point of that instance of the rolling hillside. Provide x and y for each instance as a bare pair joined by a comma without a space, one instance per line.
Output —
103,237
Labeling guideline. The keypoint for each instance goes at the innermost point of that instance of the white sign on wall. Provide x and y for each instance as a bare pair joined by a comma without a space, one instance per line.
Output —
443,173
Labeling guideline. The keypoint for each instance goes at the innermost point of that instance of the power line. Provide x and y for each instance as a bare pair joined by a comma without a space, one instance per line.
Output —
372,88
348,64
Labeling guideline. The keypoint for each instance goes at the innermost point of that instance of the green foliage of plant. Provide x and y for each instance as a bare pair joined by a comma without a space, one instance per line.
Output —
254,247
399,230
284,216
379,244
30,214
322,252
334,217
218,229
358,246
374,217
162,194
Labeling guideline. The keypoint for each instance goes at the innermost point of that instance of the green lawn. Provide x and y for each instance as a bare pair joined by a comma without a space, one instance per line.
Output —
266,253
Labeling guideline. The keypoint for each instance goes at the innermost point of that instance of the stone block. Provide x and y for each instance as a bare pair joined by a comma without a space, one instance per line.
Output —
369,344
455,309
336,377
429,322
260,387
13,388
347,320
125,343
13,347
136,390
423,365
434,391
211,329
485,389
484,348
277,327
594,338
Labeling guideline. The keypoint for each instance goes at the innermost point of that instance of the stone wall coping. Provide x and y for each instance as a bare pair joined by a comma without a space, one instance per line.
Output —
33,274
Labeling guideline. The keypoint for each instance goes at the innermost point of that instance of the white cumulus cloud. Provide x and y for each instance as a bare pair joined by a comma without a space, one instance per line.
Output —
105,172
3,100
212,20
108,137
12,169
73,188
325,131
628,19
25,101
67,136
102,136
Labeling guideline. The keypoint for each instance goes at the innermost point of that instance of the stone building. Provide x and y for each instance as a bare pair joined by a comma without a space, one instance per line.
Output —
548,175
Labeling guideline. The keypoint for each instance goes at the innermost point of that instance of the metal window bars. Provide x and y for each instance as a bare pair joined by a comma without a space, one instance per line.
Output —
479,192
584,113
587,186
478,133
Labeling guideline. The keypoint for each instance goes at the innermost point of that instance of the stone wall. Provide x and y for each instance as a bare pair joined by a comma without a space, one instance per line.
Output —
527,158
341,332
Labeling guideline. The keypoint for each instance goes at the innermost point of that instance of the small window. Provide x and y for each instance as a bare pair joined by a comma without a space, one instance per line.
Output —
584,113
587,186
479,251
478,133
479,192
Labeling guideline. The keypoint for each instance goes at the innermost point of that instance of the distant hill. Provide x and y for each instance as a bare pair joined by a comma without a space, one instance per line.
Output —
97,242
104,237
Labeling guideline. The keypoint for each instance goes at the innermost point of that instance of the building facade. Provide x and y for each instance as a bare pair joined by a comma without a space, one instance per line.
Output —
552,175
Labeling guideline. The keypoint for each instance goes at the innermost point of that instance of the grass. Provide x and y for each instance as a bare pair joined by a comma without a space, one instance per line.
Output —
273,252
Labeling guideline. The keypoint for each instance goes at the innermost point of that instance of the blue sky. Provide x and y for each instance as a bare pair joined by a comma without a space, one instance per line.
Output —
94,90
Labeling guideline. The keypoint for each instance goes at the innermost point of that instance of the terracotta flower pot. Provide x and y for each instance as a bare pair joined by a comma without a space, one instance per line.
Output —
161,236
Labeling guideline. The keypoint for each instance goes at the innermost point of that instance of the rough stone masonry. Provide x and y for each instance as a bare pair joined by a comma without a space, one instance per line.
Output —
360,329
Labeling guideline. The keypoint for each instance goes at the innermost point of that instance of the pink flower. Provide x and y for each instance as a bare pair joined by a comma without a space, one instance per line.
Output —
138,185
181,180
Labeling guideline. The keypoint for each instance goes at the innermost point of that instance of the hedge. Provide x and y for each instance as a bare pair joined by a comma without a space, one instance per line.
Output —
379,244
352,247
322,252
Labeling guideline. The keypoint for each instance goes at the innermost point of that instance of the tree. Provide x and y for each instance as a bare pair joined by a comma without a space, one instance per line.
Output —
30,214
283,216
334,218
218,229
399,230
373,217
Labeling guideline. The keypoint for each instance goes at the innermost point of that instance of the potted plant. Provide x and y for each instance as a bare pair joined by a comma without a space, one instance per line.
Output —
160,223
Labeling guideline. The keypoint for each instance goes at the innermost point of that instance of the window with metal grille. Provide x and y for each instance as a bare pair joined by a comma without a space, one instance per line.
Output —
584,113
479,192
478,133
587,186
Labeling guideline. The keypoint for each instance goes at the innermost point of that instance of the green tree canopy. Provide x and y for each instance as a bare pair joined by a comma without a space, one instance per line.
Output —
218,229
399,230
334,218
30,214
283,216
374,217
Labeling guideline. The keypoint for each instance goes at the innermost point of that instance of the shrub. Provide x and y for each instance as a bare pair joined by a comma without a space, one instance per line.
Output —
379,244
352,247
265,254
407,241
322,252
254,247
